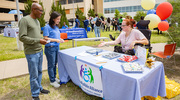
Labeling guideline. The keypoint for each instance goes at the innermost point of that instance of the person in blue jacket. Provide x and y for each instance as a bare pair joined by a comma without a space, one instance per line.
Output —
64,26
52,34
86,23
77,22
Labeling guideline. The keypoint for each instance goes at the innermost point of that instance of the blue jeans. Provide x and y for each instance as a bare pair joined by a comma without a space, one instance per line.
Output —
51,55
97,31
35,72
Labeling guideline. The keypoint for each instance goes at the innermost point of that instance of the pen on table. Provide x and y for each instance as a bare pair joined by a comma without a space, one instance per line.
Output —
100,62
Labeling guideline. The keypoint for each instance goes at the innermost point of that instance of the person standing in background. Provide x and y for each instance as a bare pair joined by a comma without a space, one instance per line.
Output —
77,22
30,35
108,24
120,22
102,24
51,32
92,24
97,24
86,23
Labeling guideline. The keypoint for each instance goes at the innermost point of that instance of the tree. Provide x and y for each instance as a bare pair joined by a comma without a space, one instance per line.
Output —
58,8
124,14
63,18
174,20
100,14
117,15
138,15
41,19
81,17
27,7
91,13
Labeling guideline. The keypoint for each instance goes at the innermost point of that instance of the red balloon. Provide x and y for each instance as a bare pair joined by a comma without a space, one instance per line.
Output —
163,26
164,10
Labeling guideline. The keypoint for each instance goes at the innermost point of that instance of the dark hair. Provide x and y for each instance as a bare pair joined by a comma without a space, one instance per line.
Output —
53,15
121,17
108,20
142,17
102,18
77,16
129,22
96,14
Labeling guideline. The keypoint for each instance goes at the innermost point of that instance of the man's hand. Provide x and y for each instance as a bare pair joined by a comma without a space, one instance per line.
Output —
43,41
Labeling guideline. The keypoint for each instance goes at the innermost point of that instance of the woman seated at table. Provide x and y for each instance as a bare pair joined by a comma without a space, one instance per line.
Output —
128,38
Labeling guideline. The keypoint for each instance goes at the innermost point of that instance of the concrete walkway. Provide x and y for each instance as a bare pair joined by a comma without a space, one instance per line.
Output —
17,67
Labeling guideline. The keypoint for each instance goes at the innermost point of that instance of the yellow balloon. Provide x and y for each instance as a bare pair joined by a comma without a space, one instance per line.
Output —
154,20
148,4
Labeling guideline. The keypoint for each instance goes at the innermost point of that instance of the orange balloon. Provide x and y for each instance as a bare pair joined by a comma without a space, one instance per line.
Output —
163,26
164,10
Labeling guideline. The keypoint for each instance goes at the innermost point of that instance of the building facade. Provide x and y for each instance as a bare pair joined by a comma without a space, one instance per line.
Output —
8,5
70,7
129,6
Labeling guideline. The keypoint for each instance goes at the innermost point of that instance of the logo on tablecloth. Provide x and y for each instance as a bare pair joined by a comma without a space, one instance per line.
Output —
90,78
86,74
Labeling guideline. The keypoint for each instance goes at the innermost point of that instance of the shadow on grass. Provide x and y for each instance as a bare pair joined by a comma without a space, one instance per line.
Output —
18,94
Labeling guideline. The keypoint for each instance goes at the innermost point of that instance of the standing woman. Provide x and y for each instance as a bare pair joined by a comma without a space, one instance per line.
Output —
51,32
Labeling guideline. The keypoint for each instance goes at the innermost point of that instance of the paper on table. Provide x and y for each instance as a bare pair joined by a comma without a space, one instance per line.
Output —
100,58
83,54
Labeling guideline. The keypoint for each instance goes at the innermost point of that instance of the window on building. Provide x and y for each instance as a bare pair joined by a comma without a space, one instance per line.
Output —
123,9
156,6
112,10
4,10
75,1
82,9
92,2
22,1
112,0
127,9
67,11
62,2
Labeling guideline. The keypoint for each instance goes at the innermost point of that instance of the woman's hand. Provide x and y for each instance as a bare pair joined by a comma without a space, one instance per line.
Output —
102,44
61,41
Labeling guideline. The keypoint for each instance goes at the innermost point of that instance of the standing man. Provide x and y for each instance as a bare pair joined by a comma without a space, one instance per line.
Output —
97,24
86,23
30,35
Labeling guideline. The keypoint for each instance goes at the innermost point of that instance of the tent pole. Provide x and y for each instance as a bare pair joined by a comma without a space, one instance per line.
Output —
17,7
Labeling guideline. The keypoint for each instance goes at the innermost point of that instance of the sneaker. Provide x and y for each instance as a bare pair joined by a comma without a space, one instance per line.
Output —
55,84
43,91
57,80
35,98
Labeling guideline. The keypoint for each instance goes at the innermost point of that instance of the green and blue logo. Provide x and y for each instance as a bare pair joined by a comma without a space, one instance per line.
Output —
86,74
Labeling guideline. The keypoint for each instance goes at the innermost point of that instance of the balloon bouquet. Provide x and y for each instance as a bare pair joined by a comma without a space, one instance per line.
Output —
157,17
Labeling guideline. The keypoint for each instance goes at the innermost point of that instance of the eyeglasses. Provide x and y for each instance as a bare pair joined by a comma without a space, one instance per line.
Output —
39,10
123,25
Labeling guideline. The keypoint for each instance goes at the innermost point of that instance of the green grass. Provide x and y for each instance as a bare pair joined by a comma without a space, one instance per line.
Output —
8,49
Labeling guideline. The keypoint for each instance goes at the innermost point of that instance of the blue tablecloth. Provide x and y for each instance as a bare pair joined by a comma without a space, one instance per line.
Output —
117,85
75,33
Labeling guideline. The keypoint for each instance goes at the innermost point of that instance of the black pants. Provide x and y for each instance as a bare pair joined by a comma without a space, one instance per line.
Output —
119,50
107,28
92,27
